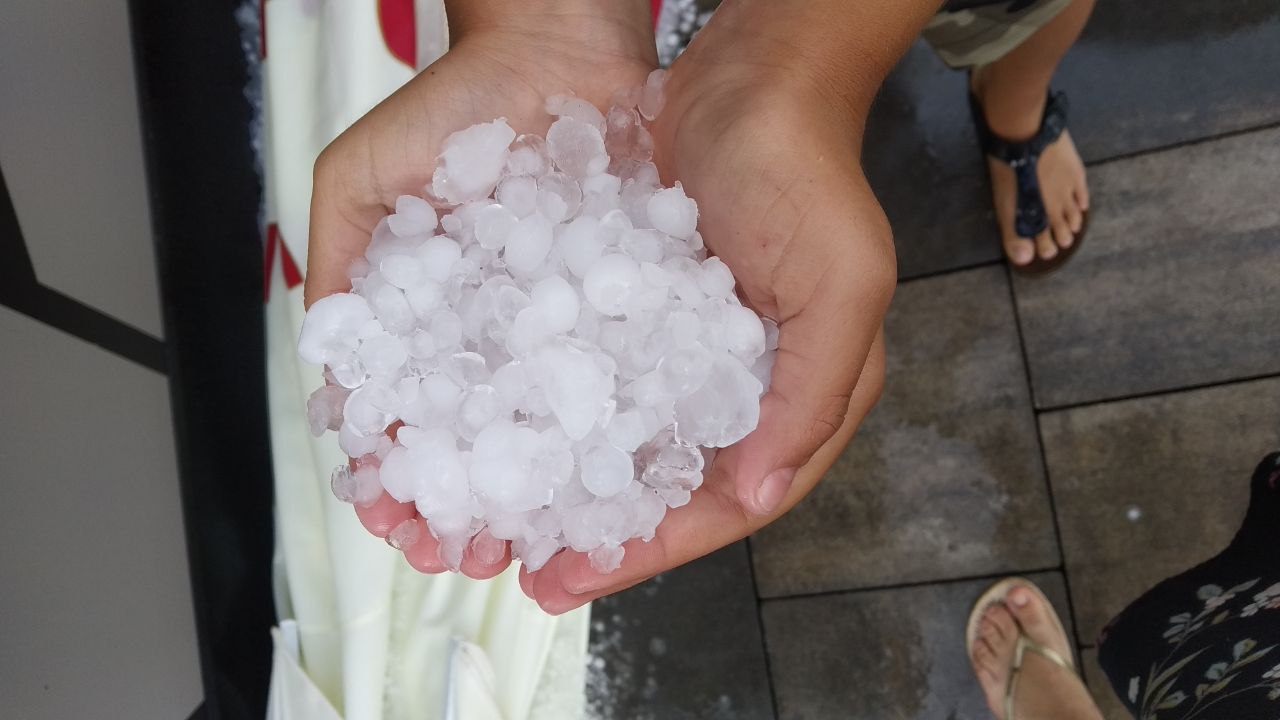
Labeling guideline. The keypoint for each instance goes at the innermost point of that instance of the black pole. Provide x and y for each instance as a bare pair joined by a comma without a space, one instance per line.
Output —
205,193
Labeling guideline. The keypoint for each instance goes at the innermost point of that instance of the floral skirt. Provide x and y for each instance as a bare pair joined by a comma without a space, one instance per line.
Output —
1205,645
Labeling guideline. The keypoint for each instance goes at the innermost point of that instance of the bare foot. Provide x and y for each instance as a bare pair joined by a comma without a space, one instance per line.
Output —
1045,691
1062,180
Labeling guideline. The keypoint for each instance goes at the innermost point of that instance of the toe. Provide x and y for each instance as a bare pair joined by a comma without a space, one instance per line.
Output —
998,633
1082,196
981,653
999,616
1025,607
992,674
1062,235
984,660
1020,250
1045,246
1036,620
988,631
1075,218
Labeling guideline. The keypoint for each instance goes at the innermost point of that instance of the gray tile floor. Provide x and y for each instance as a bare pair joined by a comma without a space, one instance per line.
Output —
1039,427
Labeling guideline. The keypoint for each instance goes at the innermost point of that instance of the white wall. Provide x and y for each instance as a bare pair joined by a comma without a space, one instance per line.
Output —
71,152
96,613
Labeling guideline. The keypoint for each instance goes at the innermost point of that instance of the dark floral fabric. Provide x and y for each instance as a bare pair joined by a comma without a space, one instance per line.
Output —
1203,645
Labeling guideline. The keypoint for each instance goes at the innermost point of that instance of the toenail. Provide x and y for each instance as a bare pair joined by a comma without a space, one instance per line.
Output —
1019,597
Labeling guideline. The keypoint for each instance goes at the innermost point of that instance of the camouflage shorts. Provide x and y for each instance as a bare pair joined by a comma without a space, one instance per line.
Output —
979,35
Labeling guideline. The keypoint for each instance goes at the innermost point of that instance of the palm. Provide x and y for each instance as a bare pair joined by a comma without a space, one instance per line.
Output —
389,153
766,173
783,202
785,205
775,172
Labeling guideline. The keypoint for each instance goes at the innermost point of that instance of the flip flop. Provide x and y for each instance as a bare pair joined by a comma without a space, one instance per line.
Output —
1030,218
995,595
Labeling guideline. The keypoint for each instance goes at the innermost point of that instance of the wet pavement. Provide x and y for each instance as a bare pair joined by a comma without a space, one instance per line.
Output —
1143,76
1094,430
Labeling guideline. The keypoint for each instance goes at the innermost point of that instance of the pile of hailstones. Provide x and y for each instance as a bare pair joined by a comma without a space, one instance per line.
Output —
554,353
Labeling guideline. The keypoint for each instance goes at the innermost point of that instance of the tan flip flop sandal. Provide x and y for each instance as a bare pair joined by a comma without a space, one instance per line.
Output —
995,595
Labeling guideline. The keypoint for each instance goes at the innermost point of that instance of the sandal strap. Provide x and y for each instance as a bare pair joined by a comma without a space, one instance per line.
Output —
1031,218
1024,644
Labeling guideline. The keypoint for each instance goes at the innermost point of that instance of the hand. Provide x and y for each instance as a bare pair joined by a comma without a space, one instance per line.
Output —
505,60
771,156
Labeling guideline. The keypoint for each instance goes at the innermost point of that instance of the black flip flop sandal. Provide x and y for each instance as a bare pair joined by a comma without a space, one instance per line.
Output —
1030,218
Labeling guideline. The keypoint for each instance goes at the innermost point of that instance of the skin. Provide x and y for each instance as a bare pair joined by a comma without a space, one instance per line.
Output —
1044,690
763,126
1012,93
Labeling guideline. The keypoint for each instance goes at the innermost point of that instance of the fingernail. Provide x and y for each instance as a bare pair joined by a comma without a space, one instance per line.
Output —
526,583
403,536
557,608
774,487
590,581
488,549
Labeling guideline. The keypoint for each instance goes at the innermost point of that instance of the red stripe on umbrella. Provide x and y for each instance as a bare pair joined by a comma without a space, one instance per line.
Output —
289,266
399,30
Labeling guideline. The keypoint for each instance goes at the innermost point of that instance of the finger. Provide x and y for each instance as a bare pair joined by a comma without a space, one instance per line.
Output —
387,153
341,223
357,178
380,517
526,582
821,351
549,592
424,555
546,589
486,556
712,519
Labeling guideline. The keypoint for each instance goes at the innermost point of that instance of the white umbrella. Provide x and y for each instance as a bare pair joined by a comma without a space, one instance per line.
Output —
363,636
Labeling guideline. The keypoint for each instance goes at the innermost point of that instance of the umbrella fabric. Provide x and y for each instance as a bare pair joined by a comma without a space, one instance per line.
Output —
362,636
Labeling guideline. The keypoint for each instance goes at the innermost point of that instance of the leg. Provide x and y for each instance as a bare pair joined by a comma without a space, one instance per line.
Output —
1012,92
1044,691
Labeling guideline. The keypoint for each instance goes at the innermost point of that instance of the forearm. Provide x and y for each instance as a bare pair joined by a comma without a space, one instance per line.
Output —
846,46
628,17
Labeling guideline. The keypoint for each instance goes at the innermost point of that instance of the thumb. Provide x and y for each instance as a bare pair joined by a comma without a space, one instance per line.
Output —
342,221
821,353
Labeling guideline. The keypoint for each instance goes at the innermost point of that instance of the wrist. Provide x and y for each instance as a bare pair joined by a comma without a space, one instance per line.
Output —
843,49
615,27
